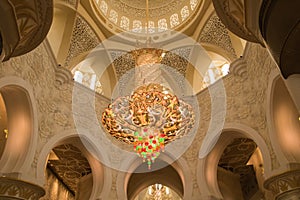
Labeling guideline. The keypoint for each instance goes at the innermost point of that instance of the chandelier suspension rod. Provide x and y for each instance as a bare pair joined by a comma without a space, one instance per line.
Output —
147,20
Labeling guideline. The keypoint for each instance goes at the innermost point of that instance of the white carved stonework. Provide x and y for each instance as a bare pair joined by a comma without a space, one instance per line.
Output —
122,62
239,68
63,75
245,100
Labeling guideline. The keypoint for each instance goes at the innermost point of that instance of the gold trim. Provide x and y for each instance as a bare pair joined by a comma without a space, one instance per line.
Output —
283,183
19,189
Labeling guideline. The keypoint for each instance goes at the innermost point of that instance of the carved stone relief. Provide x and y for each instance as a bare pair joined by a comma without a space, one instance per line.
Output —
131,15
285,185
246,100
70,165
63,75
237,154
156,8
215,33
17,189
83,39
250,107
177,59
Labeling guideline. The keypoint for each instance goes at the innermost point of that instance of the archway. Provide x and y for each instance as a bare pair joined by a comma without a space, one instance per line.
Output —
166,176
68,172
135,166
157,191
240,170
209,171
19,133
90,180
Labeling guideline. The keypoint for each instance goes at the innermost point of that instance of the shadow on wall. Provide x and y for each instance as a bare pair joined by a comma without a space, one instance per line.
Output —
3,125
1,44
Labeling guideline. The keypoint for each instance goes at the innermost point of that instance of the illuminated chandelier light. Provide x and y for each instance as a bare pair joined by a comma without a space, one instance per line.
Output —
158,192
149,118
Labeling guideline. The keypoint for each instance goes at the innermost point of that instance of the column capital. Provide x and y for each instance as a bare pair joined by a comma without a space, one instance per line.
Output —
285,185
11,188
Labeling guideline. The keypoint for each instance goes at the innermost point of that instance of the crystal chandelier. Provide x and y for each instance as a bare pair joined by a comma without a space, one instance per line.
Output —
159,192
149,118
152,116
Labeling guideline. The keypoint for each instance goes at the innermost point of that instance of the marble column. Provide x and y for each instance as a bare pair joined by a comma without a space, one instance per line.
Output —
13,189
285,186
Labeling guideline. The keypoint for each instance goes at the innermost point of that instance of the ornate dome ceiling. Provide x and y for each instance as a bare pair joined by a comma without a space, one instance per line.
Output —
130,15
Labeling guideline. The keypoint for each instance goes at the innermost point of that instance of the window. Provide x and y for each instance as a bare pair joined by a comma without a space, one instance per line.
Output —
193,4
113,16
137,26
103,7
89,79
124,23
162,25
174,20
185,13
